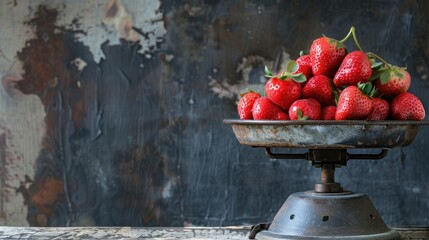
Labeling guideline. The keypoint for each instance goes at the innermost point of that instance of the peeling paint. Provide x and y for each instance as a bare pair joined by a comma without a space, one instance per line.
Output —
169,57
117,17
134,20
223,89
79,64
166,192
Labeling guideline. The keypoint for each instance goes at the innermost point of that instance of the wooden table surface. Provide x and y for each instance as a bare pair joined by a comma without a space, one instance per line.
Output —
206,233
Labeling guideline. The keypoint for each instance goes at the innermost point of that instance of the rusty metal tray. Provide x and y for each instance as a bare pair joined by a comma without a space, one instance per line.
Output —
325,134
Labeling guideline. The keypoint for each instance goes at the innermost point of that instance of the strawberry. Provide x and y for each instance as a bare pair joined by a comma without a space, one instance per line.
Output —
406,106
326,55
265,109
354,68
380,110
285,88
353,102
328,113
304,65
390,80
283,92
304,109
319,87
393,81
245,105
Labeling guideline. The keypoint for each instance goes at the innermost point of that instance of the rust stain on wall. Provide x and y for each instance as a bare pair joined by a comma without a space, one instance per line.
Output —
46,75
43,57
78,101
41,196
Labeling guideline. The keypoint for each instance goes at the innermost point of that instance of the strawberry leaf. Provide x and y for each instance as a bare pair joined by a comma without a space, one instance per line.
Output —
373,93
340,45
292,66
299,78
336,43
301,53
299,115
385,76
376,66
336,97
375,75
365,88
268,73
398,73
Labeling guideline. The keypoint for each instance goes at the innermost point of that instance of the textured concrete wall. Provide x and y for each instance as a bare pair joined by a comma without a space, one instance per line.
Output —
111,111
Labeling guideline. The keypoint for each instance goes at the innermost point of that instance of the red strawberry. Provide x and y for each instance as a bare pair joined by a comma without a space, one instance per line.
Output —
304,66
326,55
353,103
319,87
328,113
304,109
393,81
380,110
245,105
265,109
355,68
407,106
283,92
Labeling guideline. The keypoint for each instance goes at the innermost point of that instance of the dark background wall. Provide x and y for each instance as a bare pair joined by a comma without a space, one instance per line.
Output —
134,135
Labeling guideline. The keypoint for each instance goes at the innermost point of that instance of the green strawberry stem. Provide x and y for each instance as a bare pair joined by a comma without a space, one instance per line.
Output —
299,115
352,32
370,54
291,68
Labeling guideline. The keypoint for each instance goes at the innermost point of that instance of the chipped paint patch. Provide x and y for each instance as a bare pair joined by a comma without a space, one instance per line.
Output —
95,22
118,18
79,64
166,192
223,89
110,21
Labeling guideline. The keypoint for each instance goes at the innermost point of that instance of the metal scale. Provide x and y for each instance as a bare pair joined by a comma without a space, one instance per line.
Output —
328,211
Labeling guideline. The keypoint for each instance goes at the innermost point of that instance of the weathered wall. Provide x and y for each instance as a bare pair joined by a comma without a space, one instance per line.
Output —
111,111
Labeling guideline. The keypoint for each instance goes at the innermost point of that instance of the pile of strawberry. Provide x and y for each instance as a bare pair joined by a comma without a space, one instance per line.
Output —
332,84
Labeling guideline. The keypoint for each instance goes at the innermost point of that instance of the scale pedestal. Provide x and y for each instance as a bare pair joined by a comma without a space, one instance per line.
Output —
313,215
328,211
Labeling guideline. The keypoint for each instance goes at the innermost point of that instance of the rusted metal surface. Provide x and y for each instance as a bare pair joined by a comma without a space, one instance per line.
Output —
327,216
327,180
327,160
325,134
337,156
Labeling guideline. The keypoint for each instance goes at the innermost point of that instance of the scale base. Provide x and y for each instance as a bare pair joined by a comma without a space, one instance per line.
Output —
311,215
